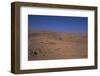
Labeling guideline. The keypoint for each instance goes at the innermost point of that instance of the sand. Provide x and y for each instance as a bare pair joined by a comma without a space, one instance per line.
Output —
57,45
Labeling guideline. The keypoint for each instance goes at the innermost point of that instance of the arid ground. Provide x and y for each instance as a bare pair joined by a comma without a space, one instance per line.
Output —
56,45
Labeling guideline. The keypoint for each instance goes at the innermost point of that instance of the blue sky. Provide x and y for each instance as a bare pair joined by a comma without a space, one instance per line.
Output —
57,23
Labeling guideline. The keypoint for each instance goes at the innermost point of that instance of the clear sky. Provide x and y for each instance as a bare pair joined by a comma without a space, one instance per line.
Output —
57,23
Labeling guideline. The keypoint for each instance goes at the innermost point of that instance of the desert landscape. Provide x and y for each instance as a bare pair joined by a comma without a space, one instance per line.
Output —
47,45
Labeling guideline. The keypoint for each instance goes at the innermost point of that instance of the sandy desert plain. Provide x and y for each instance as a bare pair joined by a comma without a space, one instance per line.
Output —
46,45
